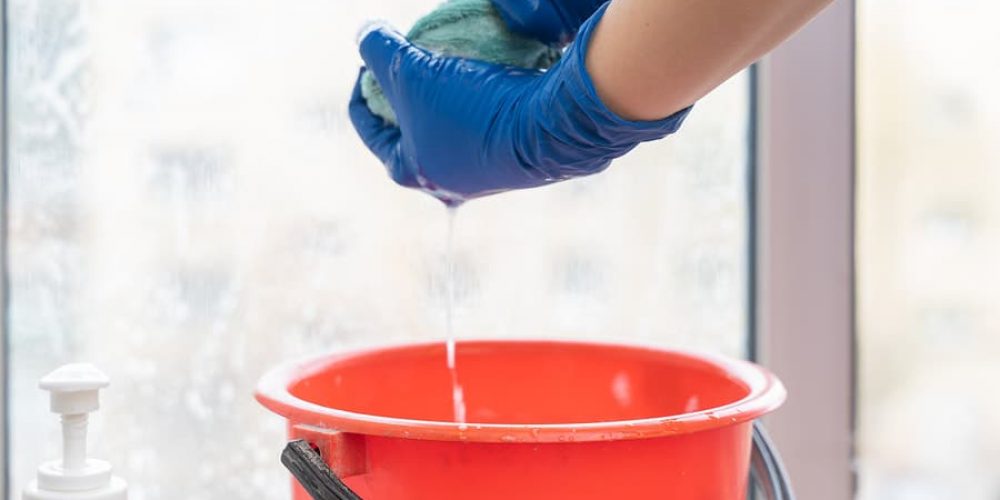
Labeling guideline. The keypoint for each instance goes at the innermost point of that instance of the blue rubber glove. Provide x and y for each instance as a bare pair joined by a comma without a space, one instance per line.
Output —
469,128
551,21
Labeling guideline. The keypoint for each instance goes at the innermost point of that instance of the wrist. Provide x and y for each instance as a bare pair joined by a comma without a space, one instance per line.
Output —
577,133
587,98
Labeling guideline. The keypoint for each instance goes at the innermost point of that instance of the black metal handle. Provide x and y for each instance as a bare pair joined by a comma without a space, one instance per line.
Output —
315,476
766,469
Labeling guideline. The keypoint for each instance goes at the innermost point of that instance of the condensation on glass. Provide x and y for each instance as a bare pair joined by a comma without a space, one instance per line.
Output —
190,206
929,239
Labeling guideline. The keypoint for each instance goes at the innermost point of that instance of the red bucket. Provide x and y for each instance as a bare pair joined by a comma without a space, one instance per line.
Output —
546,420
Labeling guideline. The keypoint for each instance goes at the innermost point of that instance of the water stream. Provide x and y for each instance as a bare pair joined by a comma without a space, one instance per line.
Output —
457,394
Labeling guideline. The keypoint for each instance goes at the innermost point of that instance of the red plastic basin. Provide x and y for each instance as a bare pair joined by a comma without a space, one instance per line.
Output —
546,420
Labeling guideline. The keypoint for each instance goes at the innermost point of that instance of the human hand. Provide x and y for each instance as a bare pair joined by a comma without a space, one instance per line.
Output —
469,128
551,21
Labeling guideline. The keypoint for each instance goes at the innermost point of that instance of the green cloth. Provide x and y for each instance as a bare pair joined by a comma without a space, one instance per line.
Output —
465,28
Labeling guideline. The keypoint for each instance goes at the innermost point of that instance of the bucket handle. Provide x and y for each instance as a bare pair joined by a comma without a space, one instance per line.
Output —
766,469
312,472
305,463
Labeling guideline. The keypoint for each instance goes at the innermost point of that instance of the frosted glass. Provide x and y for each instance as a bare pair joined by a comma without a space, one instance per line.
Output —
929,238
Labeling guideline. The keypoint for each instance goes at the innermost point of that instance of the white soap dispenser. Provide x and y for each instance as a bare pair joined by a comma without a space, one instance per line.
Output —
73,391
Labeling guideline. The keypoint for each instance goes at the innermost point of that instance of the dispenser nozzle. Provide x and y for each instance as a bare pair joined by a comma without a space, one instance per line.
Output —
73,393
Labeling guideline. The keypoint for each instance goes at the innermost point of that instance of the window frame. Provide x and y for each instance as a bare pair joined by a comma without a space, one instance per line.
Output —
4,281
803,252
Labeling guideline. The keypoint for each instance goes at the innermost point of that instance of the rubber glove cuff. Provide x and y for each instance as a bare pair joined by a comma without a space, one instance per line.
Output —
576,133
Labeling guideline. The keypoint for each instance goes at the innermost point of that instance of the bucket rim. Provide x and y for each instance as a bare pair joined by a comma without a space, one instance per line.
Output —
765,394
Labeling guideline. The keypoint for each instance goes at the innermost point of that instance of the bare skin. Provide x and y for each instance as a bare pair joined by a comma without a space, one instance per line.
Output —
651,58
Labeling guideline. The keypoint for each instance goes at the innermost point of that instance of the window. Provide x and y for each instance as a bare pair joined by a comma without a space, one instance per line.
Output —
928,241
190,206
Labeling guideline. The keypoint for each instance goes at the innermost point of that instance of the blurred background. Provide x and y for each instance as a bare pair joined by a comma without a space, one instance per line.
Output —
928,254
189,205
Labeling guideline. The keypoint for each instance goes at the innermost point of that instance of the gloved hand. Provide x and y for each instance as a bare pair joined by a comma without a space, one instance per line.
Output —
551,21
469,128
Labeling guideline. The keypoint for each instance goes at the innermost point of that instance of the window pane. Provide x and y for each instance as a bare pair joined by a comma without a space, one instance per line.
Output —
929,237
190,206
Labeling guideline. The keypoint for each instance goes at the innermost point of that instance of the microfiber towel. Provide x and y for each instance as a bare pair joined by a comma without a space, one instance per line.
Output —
471,29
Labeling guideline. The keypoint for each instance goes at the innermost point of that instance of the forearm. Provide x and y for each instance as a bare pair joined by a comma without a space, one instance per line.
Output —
651,58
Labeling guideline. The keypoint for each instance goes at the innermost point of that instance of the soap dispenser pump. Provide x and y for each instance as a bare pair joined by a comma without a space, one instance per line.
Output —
73,391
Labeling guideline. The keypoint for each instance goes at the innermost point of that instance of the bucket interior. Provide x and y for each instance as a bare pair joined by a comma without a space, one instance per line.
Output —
521,383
